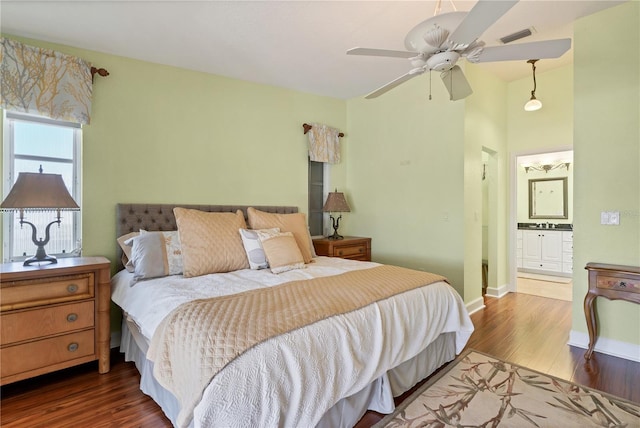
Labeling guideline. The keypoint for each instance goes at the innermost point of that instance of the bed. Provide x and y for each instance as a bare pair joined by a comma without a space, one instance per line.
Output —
326,372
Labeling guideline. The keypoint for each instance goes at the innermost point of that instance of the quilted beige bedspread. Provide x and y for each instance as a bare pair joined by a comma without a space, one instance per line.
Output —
199,338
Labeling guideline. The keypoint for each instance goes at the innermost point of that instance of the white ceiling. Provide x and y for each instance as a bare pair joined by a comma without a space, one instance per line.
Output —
299,45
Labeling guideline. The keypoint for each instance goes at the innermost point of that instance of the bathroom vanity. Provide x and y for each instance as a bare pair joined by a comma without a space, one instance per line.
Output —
545,248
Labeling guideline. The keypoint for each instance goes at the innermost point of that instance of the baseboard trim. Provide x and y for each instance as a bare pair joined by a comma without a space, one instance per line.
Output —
498,292
615,348
545,272
475,305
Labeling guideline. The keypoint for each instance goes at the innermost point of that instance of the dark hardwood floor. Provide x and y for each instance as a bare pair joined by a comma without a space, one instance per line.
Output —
524,329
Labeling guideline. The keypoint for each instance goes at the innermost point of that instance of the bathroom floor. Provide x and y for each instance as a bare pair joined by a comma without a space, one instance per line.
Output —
553,287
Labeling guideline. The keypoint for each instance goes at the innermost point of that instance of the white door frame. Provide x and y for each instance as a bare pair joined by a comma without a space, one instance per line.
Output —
513,206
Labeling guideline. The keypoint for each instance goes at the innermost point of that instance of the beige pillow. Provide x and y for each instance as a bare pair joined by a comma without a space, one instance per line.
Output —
210,241
295,223
281,250
126,249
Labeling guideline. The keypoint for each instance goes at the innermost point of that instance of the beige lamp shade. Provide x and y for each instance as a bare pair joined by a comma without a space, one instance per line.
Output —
336,203
39,192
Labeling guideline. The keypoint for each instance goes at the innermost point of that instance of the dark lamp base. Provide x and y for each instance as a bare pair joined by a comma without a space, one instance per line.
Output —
40,258
335,222
41,255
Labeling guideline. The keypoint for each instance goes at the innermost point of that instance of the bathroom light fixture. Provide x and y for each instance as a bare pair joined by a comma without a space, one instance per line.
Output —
546,167
533,104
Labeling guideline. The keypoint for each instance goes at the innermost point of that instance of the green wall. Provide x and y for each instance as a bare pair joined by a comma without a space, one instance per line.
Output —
407,177
549,128
607,158
165,134
161,134
411,166
485,130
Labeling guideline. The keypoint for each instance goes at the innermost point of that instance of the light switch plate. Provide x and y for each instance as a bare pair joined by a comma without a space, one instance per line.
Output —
610,218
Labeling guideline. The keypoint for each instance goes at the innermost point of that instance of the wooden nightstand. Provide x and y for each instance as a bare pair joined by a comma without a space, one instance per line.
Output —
351,247
54,316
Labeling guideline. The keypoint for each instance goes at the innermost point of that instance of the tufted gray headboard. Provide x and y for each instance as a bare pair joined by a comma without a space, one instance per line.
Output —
133,217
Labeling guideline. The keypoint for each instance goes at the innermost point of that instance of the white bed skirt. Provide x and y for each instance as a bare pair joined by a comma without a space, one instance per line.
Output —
377,396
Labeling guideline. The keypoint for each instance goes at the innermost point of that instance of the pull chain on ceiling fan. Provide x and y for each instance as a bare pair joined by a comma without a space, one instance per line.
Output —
440,41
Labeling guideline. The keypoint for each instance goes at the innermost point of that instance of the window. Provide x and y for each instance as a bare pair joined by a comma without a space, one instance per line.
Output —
317,184
31,142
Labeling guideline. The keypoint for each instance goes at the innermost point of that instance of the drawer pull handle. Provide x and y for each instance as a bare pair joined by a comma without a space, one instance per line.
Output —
339,253
72,288
361,250
623,284
73,347
72,317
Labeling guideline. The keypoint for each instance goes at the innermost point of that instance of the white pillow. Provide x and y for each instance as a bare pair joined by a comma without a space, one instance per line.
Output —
253,248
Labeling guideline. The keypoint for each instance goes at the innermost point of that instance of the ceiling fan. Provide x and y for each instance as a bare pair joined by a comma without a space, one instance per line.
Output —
437,44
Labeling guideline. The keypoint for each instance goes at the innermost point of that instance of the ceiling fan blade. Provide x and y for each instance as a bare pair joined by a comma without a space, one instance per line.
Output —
381,52
456,83
381,90
479,18
525,51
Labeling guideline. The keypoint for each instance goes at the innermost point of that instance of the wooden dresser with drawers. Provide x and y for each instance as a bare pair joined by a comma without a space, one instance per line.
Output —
350,247
54,316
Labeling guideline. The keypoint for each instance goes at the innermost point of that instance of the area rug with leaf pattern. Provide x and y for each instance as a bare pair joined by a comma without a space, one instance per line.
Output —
478,390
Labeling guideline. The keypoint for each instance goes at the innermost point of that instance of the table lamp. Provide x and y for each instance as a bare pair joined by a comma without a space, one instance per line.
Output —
37,192
336,203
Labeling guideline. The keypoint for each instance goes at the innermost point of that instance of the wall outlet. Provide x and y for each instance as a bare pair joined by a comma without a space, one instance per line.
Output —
610,218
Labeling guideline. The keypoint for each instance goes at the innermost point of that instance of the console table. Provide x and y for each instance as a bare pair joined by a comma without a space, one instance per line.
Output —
614,282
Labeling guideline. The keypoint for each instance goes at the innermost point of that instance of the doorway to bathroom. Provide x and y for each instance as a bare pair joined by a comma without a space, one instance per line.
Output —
544,224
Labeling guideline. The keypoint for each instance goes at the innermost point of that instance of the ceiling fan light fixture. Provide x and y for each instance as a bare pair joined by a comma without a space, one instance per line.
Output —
533,104
443,61
436,36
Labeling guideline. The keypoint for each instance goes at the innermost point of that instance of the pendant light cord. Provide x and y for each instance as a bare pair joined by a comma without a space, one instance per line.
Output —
533,67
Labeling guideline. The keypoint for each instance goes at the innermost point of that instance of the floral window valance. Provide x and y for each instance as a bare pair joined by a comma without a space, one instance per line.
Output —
44,82
324,143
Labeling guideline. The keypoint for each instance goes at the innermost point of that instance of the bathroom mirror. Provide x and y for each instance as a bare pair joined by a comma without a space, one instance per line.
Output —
548,198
